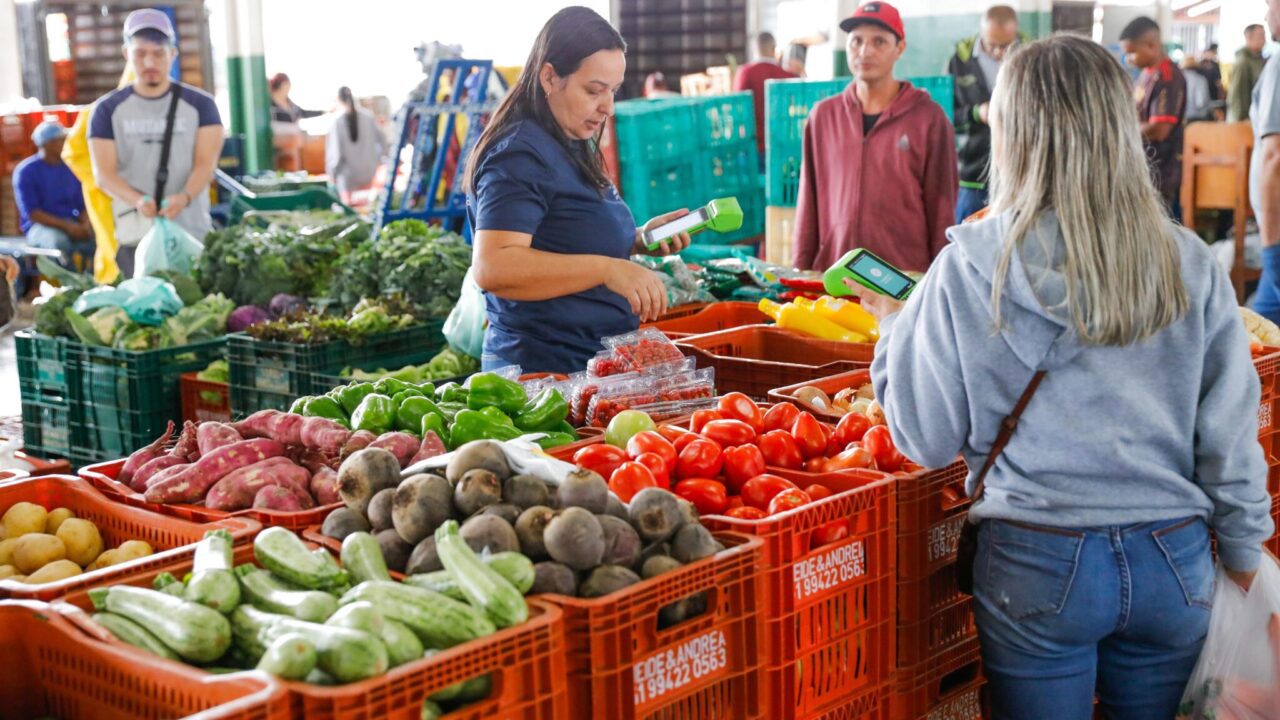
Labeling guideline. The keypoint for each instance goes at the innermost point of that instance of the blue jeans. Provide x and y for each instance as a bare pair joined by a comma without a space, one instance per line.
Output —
1267,300
1117,611
51,238
969,201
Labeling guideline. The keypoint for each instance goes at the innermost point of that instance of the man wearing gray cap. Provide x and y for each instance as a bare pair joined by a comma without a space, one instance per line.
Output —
50,205
155,143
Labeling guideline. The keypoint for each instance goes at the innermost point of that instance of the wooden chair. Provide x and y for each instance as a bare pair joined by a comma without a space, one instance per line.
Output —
1215,176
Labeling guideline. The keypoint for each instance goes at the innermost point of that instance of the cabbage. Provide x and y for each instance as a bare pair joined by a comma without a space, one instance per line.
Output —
244,316
283,304
100,327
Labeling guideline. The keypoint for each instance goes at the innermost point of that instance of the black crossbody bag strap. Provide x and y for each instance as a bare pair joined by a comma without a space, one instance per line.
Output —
166,144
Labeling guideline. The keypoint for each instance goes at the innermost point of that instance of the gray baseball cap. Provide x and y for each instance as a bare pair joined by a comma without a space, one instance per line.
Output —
149,19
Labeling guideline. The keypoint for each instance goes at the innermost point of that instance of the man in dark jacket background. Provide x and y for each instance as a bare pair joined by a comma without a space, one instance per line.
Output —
975,66
1245,73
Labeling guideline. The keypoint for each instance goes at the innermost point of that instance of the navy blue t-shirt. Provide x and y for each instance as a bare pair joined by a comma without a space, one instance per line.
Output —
527,183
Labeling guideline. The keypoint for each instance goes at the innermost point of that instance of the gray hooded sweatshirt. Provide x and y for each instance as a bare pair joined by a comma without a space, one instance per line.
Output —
1161,429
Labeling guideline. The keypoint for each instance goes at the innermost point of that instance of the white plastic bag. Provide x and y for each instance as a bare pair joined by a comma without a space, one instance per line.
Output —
1238,675
166,246
464,329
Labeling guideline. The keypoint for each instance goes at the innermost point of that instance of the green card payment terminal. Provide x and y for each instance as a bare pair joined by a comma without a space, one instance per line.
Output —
722,215
869,271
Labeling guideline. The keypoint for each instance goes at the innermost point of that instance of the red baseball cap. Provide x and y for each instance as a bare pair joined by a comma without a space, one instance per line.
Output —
876,13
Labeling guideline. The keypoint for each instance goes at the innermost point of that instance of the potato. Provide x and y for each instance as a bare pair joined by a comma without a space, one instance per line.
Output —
7,571
6,551
55,520
54,571
35,550
83,541
106,559
132,550
24,518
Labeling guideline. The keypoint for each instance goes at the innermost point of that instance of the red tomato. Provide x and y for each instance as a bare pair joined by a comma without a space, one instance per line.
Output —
701,417
672,432
781,417
878,442
741,464
658,466
833,446
818,492
809,435
729,433
855,457
709,496
683,441
650,441
747,513
780,450
629,479
831,532
699,459
736,406
816,465
788,500
760,489
601,458
735,501
851,428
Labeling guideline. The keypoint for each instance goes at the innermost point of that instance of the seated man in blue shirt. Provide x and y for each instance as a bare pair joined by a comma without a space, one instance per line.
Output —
50,205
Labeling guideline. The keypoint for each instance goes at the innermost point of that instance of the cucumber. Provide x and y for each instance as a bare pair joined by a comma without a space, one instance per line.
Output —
362,558
319,677
212,582
430,711
290,656
438,621
447,694
348,655
169,585
358,616
266,592
516,568
477,688
195,632
281,552
130,632
402,645
482,585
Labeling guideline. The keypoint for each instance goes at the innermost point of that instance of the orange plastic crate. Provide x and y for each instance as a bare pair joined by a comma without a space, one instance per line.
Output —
170,537
196,407
758,358
932,509
527,663
1274,543
9,475
827,609
680,311
962,703
943,628
52,669
103,476
921,689
712,318
829,385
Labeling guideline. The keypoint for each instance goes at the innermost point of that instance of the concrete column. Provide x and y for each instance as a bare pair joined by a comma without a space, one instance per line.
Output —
247,83
10,61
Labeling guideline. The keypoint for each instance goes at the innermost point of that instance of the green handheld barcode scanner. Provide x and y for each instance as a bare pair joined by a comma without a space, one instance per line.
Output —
870,271
722,215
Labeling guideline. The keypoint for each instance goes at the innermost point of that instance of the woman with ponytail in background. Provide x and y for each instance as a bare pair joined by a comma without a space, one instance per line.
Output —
354,149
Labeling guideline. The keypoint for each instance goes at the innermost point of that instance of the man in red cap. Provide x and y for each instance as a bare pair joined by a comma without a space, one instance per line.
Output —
879,168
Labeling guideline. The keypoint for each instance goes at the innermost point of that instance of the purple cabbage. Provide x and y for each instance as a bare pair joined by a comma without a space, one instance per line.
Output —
244,316
283,304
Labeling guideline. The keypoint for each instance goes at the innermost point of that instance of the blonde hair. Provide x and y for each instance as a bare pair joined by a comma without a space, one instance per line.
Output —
1067,140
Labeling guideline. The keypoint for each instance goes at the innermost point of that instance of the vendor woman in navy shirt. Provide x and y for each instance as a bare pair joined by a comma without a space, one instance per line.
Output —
552,237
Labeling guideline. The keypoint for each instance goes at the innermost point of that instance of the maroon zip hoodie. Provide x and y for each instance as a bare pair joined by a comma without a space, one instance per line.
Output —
892,191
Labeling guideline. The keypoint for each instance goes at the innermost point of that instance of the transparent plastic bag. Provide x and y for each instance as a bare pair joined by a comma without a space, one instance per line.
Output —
464,329
1238,674
166,246
147,300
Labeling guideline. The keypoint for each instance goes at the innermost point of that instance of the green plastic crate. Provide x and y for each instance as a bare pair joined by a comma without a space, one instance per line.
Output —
728,170
308,199
725,119
787,107
47,430
659,186
43,369
653,129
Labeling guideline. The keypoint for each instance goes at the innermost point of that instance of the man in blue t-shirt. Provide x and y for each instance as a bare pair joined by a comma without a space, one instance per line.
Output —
51,209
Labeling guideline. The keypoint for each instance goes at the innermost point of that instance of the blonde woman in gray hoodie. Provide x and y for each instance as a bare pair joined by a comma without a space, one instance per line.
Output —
355,147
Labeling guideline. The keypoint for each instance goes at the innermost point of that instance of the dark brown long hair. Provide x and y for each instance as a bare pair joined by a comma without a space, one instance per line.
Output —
569,37
353,120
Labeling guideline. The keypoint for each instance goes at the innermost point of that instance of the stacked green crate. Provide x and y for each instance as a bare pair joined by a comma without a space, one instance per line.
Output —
45,379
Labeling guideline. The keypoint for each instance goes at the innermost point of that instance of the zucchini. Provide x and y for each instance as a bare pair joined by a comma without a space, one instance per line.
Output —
195,632
212,582
438,621
290,656
447,694
477,688
362,558
281,552
266,592
430,711
319,677
402,645
516,568
482,585
169,585
130,632
348,655
358,616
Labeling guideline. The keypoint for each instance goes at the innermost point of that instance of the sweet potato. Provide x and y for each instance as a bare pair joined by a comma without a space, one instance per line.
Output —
237,490
310,459
282,497
188,446
359,440
272,424
323,434
212,435
431,446
403,445
144,456
191,484
324,486
165,473
153,467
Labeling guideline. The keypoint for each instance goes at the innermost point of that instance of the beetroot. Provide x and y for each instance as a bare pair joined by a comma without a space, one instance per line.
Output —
144,456
191,484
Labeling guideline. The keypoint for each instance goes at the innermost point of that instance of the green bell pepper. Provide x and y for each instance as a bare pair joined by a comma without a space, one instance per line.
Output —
567,429
298,405
475,425
544,412
493,390
326,407
554,440
433,422
376,413
497,415
411,411
390,386
451,392
450,410
400,396
351,396
427,389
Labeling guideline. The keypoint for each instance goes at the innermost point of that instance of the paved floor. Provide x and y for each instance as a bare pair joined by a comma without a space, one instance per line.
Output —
10,400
